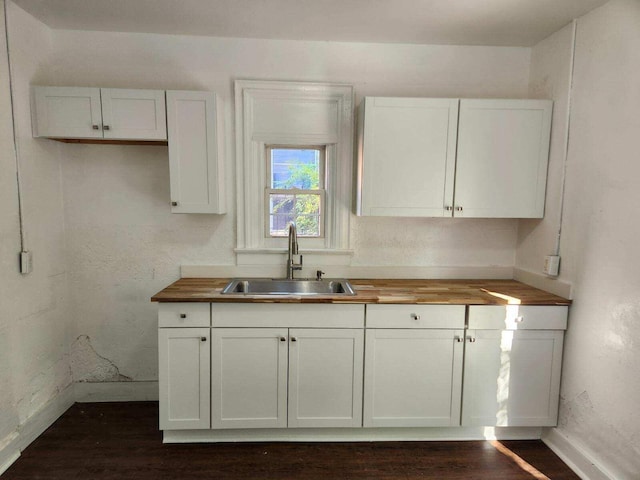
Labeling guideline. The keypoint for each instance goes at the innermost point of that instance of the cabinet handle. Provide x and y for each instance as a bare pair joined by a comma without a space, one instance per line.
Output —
183,315
294,339
519,319
203,339
283,339
448,208
472,339
458,208
95,127
174,204
106,127
415,316
458,339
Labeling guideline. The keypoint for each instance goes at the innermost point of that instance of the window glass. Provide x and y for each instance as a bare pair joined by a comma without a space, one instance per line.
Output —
295,190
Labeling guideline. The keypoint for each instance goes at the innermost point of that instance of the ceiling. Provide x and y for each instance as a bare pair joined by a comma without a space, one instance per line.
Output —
454,22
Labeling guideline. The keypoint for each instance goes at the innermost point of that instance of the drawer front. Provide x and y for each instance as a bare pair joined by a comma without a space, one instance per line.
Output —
517,317
415,316
184,315
287,315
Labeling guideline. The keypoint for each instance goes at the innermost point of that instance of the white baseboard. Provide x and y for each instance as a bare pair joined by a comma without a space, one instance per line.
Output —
352,434
576,457
543,282
35,426
116,391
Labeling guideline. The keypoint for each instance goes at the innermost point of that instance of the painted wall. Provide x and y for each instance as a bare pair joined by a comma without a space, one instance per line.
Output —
600,383
123,245
34,313
549,78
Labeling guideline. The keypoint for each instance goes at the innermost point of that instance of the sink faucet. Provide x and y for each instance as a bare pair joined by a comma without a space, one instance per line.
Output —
293,250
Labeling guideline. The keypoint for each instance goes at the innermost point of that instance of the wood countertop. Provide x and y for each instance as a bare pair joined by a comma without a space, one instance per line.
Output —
416,291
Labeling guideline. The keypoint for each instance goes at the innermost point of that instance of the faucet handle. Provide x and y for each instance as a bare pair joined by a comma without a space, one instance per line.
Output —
319,274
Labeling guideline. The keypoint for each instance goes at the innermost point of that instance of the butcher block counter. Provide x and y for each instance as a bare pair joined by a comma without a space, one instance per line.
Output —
380,291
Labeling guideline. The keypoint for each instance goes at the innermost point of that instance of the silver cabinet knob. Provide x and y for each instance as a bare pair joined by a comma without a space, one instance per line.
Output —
95,127
174,204
458,208
448,208
203,339
458,339
283,339
294,339
106,127
519,319
415,316
183,315
472,339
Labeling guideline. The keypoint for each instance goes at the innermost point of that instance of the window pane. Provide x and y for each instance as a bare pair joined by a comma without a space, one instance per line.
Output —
295,168
304,210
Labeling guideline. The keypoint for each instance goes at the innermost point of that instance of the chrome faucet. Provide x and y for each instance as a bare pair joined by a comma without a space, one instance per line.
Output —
293,250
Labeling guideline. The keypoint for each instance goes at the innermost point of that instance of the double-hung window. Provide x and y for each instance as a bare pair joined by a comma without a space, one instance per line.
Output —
296,188
294,147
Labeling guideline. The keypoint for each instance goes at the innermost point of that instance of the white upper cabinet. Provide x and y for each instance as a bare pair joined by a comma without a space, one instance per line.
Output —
66,112
195,159
503,149
133,114
429,158
407,156
93,113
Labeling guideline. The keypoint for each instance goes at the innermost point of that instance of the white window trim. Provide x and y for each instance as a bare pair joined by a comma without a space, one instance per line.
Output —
251,163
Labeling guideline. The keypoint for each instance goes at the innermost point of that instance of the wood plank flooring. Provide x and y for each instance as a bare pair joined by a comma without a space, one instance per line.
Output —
101,441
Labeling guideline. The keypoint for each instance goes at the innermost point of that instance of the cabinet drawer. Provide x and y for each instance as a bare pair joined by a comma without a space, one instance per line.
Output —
517,317
287,315
415,316
184,315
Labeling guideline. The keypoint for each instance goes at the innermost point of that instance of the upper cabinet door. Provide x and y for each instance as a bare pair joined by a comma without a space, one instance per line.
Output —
66,112
133,114
407,151
195,160
503,150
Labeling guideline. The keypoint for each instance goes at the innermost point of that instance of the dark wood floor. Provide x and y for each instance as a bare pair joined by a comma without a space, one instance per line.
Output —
121,441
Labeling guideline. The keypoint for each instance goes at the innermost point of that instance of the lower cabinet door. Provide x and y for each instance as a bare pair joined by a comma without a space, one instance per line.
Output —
512,378
325,377
249,377
413,378
184,376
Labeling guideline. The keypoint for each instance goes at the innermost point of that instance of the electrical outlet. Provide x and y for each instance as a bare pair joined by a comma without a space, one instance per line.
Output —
26,262
552,265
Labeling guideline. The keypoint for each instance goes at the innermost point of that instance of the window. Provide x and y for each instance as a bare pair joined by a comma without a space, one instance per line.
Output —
295,190
294,147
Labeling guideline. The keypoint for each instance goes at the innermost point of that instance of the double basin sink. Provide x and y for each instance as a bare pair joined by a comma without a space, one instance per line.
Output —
265,286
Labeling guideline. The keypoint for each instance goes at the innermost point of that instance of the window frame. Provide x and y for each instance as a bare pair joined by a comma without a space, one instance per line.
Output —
321,191
293,114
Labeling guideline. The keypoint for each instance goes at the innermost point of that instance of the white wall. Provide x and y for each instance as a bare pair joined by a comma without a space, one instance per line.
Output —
600,391
34,314
549,78
123,244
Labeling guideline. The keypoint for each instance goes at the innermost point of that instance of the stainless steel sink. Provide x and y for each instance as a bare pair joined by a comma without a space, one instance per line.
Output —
264,286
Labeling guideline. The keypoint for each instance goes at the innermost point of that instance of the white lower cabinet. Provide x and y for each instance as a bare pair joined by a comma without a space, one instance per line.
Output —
251,366
257,372
249,377
413,378
512,375
325,377
413,365
184,373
